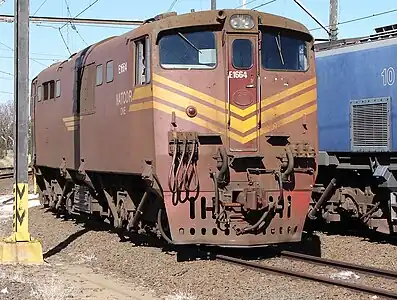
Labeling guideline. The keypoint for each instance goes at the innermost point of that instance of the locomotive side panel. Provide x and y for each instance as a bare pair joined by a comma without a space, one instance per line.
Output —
112,140
357,166
51,121
343,78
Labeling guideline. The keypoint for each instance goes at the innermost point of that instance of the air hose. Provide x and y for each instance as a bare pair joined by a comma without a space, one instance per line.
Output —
180,179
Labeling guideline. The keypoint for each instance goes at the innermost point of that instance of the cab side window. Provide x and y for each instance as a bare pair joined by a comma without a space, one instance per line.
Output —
99,75
109,71
39,96
58,88
49,90
142,61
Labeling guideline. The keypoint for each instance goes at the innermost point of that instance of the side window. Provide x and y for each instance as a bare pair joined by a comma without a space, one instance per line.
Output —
99,77
49,90
109,71
45,88
52,89
142,61
39,93
58,88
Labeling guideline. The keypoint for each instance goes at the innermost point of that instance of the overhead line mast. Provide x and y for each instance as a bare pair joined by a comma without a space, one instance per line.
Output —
333,19
213,4
20,247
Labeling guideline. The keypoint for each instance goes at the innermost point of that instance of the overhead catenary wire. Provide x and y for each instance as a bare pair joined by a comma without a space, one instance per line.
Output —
90,25
84,10
72,24
63,39
37,10
263,4
360,18
37,58
7,73
248,3
172,5
10,48
34,53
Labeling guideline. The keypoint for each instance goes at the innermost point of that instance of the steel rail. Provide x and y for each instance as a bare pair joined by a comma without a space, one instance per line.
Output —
302,275
339,264
10,175
6,175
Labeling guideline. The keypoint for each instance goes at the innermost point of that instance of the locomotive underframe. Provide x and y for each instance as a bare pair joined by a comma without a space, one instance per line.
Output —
120,198
236,212
356,189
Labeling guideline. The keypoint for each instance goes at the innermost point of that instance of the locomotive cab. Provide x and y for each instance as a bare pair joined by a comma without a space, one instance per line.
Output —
243,106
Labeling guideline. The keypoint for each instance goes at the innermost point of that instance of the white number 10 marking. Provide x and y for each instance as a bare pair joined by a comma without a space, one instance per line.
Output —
389,76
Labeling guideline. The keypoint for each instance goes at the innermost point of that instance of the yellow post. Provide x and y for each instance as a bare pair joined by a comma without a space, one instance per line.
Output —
20,247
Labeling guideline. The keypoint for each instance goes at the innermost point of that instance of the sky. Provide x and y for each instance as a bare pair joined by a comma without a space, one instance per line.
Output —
46,44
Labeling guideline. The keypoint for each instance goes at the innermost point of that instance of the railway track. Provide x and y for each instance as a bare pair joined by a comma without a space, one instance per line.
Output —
322,279
5,173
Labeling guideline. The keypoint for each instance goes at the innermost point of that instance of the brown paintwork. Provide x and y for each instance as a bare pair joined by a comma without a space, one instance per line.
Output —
114,138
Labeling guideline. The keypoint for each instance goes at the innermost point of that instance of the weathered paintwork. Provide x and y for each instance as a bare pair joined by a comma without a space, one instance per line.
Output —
121,125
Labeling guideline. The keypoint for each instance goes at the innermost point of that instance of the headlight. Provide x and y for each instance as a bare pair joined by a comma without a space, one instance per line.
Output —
242,22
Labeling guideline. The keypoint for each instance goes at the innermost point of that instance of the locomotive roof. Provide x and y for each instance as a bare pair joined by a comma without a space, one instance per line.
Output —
172,20
386,33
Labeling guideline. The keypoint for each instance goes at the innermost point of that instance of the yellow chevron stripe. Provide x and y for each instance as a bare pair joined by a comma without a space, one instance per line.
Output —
73,118
240,125
273,112
142,92
72,123
72,128
183,102
221,104
282,122
178,113
214,128
286,93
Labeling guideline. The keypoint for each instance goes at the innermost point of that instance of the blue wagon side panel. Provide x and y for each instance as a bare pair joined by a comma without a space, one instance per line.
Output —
355,73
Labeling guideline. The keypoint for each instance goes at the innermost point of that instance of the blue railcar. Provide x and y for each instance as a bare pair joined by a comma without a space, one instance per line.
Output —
357,123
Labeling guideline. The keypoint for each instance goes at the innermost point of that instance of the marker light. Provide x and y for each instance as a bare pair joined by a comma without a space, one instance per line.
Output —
191,111
242,22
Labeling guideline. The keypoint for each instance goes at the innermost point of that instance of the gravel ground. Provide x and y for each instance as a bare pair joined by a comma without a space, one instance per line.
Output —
57,279
159,271
69,246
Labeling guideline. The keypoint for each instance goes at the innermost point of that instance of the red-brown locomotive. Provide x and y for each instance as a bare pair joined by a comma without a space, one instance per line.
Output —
200,128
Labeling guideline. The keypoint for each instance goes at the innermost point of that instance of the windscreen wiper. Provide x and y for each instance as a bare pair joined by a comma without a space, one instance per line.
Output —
189,42
279,48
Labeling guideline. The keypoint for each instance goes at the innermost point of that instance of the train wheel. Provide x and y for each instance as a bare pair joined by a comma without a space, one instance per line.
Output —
164,230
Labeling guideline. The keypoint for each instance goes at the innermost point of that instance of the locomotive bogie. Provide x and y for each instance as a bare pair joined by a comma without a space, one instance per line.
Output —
357,144
197,127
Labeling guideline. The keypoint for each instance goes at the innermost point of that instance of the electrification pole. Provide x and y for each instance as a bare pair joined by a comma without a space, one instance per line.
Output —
244,4
21,108
19,247
213,4
333,19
